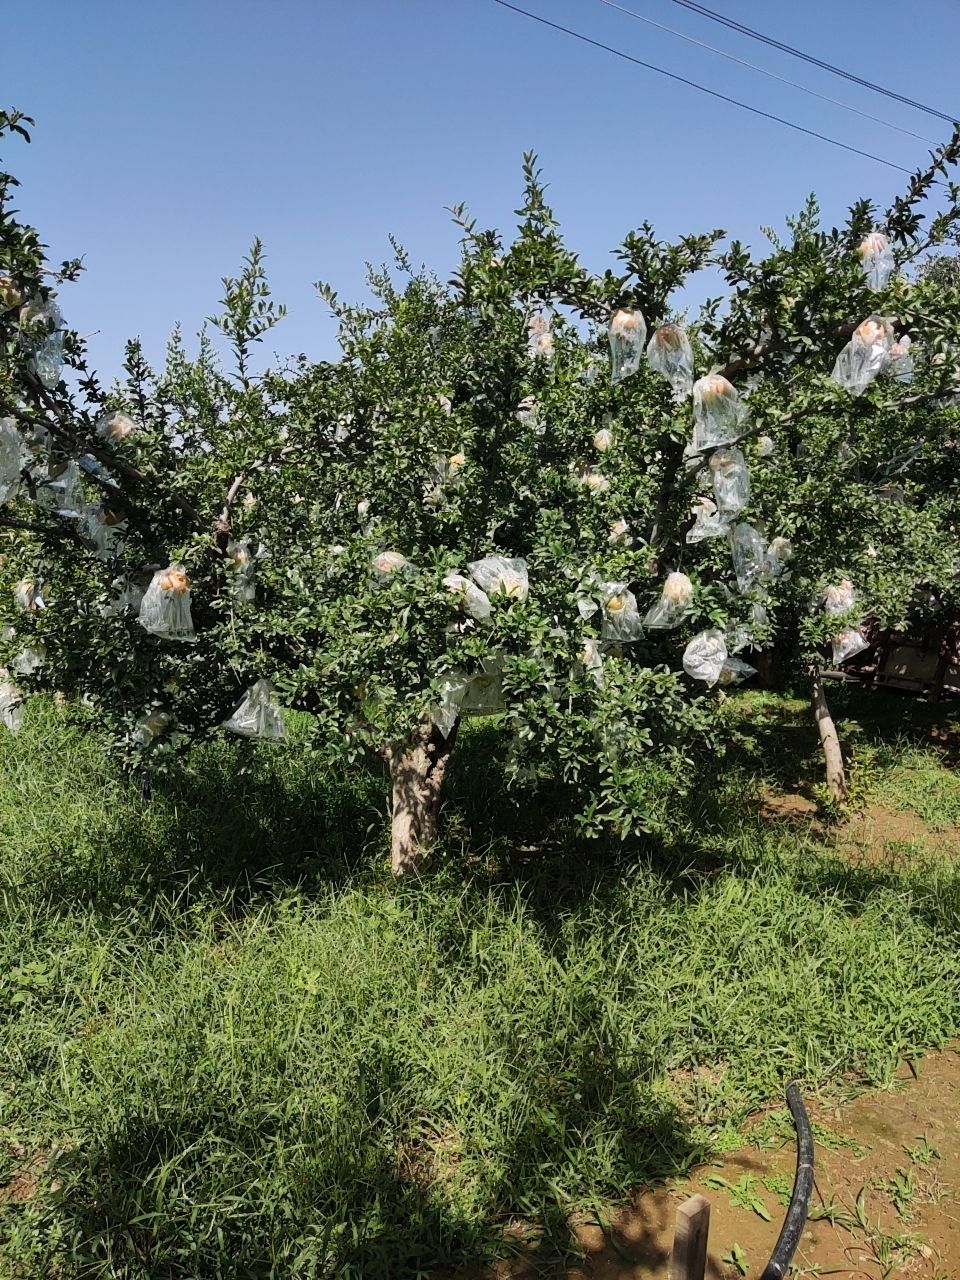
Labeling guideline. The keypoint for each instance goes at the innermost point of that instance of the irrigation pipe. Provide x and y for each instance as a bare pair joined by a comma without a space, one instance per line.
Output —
796,1217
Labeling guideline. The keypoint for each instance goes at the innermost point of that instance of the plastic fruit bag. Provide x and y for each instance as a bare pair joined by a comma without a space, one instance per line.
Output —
27,595
242,564
388,564
483,692
877,258
619,531
105,530
500,576
766,446
848,643
10,461
603,440
528,414
593,481
779,554
839,597
30,660
591,660
474,602
540,336
731,481
673,605
128,597
718,415
258,715
115,426
705,655
621,618
61,490
446,712
669,353
865,356
165,608
901,367
707,522
627,333
12,706
47,358
734,670
152,726
749,553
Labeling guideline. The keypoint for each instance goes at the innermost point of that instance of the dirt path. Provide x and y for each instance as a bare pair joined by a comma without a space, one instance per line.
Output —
886,1201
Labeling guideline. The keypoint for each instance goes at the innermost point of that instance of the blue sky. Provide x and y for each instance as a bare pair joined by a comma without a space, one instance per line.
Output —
170,133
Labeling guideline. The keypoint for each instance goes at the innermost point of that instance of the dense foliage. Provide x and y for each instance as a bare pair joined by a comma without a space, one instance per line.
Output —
478,509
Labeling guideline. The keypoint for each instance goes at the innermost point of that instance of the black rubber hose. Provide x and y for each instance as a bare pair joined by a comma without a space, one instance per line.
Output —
796,1217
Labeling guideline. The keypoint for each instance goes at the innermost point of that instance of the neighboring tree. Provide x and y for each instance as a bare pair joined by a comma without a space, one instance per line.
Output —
466,513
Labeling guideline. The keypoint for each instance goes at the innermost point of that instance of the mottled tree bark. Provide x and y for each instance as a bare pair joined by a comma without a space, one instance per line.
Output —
417,768
833,758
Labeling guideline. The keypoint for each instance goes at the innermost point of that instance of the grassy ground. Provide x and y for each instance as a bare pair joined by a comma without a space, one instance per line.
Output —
231,1047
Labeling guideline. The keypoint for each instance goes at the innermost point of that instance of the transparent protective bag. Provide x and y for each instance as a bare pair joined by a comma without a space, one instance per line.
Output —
901,366
865,356
839,597
447,710
705,655
734,670
105,530
592,480
603,439
27,594
12,706
673,605
151,726
749,554
30,660
47,360
731,481
474,602
258,715
388,564
60,489
718,415
243,569
779,554
127,598
619,531
707,522
10,460
483,692
115,426
621,618
766,446
670,354
528,414
165,607
847,643
877,259
591,660
627,332
540,336
500,576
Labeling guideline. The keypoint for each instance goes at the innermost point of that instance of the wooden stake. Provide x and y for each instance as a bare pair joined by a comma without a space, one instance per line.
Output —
689,1258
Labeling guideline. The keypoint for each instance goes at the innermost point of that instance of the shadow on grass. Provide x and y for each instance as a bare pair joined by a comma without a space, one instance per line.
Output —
191,1193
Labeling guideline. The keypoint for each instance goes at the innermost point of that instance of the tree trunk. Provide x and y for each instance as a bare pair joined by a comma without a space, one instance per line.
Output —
836,777
417,768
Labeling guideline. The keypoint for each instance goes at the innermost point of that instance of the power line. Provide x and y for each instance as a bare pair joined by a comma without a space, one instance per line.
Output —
650,66
836,102
807,57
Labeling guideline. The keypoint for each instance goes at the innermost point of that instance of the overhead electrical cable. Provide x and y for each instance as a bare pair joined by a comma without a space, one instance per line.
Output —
693,84
704,12
743,62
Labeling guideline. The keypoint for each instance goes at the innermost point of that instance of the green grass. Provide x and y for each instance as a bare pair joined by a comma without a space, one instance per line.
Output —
237,1049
